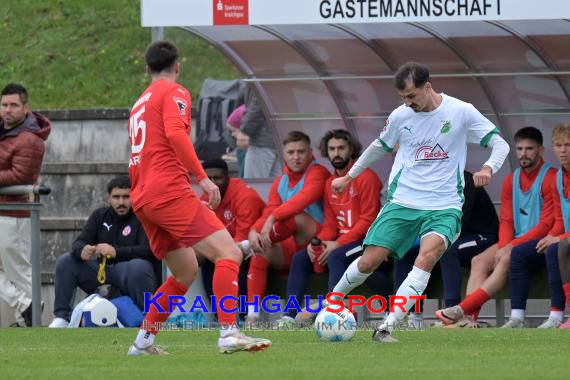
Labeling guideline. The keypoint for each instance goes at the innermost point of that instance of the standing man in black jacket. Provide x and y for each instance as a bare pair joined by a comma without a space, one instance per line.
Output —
113,233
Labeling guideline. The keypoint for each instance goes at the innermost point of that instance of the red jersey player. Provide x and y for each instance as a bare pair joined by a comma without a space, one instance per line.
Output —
239,208
177,224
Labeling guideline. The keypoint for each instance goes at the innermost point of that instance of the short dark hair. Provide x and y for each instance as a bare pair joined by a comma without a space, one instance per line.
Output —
161,56
121,182
529,133
343,134
215,163
295,136
16,89
415,72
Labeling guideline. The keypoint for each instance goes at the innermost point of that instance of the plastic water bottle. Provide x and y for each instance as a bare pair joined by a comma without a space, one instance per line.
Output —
318,249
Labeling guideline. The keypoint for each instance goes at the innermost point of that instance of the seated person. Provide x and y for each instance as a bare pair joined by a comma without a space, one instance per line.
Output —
115,233
526,214
292,217
543,254
347,218
233,125
239,208
480,227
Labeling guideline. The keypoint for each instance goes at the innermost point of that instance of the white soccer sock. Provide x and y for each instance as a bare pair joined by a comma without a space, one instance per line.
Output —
559,315
518,314
416,318
251,311
231,330
413,285
144,339
351,279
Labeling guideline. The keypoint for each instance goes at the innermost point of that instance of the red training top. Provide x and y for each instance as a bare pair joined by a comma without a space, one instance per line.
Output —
558,228
311,192
349,215
240,207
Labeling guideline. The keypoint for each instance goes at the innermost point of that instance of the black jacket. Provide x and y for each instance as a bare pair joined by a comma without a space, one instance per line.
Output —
124,233
479,214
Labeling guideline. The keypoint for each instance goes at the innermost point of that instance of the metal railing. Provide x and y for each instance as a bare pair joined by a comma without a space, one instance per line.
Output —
34,207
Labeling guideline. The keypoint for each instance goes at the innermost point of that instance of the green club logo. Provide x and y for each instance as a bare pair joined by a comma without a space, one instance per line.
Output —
446,127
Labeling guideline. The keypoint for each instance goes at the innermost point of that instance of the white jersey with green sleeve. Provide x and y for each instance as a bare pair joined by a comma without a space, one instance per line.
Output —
428,169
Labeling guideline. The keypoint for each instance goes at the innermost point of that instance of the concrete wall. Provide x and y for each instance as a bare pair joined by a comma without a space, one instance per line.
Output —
84,151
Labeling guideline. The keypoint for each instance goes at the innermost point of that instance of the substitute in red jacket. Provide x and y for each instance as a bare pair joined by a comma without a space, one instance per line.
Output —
239,208
348,216
22,135
292,217
527,214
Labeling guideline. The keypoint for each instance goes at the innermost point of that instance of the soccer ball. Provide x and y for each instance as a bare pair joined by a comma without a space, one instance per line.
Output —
335,327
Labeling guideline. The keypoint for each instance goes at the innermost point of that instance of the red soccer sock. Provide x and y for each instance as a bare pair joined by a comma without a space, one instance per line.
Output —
257,277
282,230
474,301
566,288
225,283
152,321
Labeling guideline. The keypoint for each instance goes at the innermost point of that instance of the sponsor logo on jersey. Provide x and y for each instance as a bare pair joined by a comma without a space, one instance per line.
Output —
431,153
127,230
181,104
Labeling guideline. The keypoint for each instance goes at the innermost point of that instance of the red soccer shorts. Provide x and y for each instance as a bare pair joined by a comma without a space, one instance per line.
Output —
177,223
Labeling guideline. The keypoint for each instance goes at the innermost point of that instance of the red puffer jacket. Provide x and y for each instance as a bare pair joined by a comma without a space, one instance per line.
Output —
21,154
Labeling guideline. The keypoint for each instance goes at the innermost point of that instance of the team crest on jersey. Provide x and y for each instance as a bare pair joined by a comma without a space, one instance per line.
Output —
127,231
431,153
228,214
445,126
181,104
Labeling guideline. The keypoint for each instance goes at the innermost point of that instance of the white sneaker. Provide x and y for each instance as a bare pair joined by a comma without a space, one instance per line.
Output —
550,323
151,350
382,334
239,342
58,323
514,323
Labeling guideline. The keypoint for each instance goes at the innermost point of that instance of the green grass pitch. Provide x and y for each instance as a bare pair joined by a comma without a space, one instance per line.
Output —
433,354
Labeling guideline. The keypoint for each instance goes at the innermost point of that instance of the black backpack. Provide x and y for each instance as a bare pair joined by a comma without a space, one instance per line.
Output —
218,98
